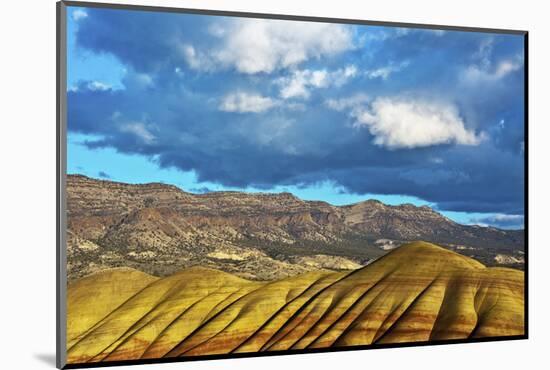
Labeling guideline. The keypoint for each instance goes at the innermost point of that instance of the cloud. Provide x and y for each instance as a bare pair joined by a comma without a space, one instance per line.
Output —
242,102
300,82
484,52
297,86
292,148
98,86
79,14
480,73
438,32
91,86
140,130
386,71
485,69
522,147
504,221
103,175
201,190
349,103
258,45
430,176
411,123
384,34
180,120
137,81
195,59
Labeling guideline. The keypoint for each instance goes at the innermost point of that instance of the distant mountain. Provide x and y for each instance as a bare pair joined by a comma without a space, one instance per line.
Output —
419,292
408,222
160,229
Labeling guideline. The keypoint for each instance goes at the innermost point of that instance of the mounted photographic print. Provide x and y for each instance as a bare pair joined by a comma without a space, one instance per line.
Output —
235,184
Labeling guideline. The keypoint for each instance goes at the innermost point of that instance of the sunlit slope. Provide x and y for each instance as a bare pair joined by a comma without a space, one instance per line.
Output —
92,298
418,292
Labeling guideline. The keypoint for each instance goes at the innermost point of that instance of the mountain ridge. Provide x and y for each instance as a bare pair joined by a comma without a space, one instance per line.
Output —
159,229
281,195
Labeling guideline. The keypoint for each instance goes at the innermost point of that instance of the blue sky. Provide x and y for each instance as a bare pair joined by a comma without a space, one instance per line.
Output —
340,113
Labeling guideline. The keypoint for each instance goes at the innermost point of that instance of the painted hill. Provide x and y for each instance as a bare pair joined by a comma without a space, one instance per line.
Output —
160,229
417,292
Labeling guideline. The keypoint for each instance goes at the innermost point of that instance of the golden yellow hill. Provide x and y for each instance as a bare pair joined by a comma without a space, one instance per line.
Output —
92,298
418,292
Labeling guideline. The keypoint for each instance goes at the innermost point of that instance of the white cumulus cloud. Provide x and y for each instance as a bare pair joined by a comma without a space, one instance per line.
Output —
259,45
243,102
300,82
411,123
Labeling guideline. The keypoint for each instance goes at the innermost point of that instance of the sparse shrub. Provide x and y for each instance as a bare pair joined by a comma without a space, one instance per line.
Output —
148,202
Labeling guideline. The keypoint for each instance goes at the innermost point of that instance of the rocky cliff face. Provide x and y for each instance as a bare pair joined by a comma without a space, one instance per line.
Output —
161,229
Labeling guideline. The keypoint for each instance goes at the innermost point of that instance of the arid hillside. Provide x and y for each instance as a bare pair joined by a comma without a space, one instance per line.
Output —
160,229
417,292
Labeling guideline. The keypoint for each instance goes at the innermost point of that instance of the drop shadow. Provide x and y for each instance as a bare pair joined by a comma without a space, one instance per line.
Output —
46,358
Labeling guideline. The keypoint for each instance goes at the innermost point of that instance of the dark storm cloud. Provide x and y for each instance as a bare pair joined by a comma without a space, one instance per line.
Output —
103,175
501,221
201,190
171,111
146,41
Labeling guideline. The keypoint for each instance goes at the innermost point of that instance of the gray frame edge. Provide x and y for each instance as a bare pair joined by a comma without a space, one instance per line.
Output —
290,17
61,166
61,160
